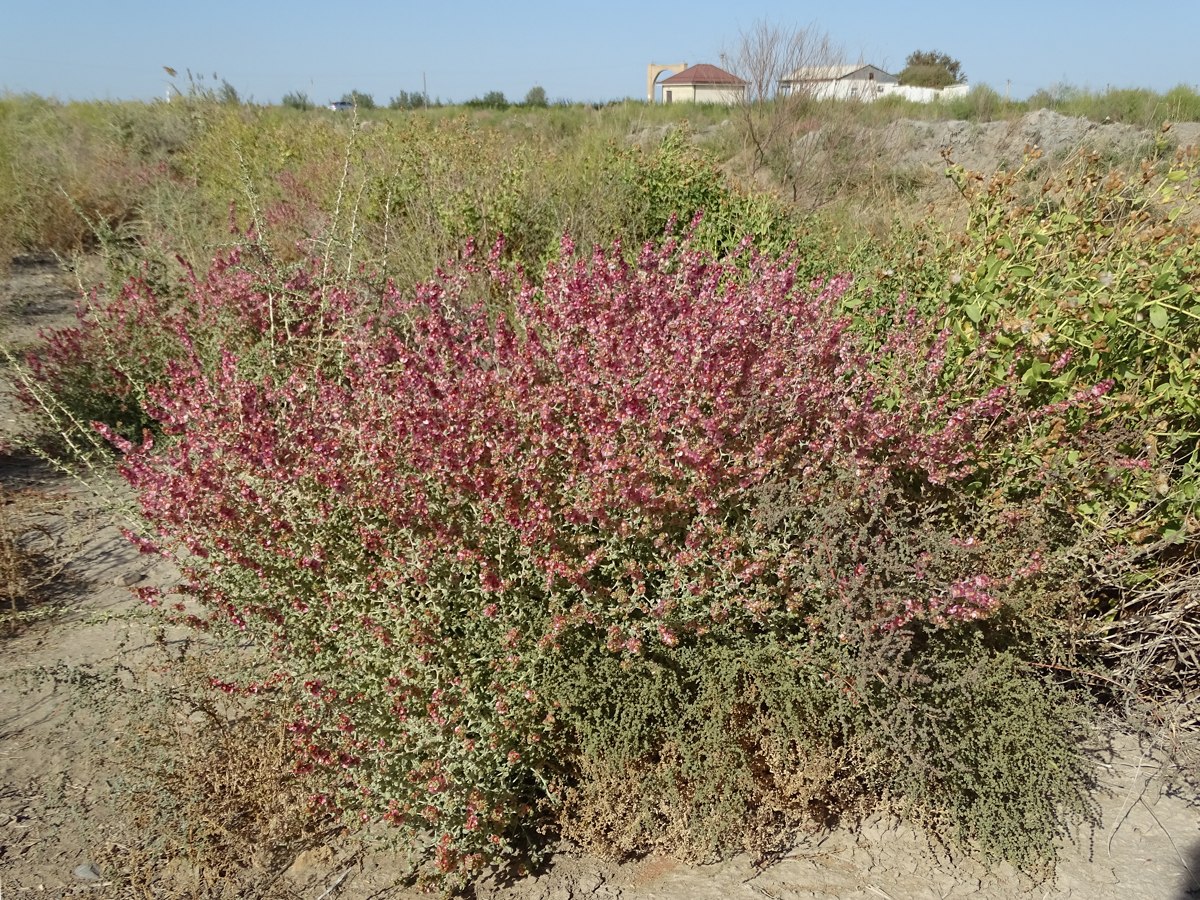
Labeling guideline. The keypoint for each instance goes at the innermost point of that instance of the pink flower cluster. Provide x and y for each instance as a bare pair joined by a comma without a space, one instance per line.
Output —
614,406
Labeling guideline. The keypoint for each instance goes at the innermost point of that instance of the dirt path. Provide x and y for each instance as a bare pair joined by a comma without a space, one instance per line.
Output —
69,717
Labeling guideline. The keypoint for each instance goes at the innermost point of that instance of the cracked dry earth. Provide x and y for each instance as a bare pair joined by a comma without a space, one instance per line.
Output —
59,782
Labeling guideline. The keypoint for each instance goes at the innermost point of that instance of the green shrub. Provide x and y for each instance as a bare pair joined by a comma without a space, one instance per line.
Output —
536,97
1081,277
359,100
673,180
407,100
1095,278
297,100
932,76
490,100
986,752
1182,104
981,104
67,167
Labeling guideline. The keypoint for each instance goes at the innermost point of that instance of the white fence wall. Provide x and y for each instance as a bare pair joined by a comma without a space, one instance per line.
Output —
850,89
924,94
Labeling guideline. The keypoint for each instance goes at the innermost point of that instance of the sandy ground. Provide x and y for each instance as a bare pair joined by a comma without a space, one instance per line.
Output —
61,740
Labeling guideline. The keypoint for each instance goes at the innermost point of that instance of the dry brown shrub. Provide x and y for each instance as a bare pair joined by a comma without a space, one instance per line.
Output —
1148,638
746,781
609,812
15,568
27,572
213,798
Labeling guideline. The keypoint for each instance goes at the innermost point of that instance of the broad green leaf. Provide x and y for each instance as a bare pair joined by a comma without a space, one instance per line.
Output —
1159,317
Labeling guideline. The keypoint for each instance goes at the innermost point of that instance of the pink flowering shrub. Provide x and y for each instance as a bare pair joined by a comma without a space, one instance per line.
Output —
246,304
428,505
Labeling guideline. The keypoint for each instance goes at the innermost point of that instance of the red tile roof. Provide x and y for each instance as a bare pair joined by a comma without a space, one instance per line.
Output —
703,74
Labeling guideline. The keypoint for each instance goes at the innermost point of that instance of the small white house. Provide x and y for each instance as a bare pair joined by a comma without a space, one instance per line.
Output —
853,82
703,84
860,82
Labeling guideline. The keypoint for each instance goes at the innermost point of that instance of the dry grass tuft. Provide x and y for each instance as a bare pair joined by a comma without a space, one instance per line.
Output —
27,570
212,797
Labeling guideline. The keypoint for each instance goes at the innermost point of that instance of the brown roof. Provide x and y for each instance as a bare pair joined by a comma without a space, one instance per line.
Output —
703,74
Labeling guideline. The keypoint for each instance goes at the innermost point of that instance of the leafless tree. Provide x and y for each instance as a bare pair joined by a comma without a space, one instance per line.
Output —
767,57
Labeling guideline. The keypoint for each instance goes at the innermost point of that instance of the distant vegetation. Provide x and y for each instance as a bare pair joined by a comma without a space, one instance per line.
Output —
359,100
930,68
410,100
1132,106
297,100
536,97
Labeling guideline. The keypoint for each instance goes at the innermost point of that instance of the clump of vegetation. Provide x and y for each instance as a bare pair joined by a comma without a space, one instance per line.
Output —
359,100
436,196
297,100
930,68
201,774
490,100
1132,106
33,561
535,97
410,100
25,574
1076,278
1084,277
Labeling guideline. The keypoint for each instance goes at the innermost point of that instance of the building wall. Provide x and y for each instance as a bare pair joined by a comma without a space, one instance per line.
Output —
703,93
842,89
865,73
726,94
864,83
679,93
924,94
851,89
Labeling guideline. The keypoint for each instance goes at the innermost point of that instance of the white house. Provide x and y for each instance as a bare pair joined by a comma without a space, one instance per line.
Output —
857,82
860,82
703,84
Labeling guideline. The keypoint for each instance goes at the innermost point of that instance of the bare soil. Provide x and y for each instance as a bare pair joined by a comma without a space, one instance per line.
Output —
84,681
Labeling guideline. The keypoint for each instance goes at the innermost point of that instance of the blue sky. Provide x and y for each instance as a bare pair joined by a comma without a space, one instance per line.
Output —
116,49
